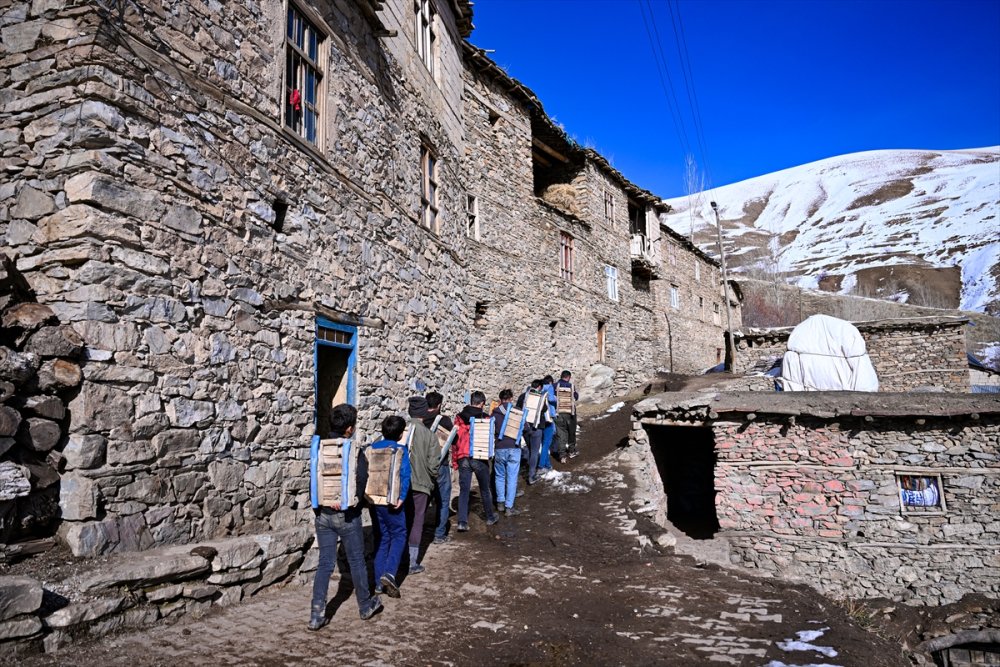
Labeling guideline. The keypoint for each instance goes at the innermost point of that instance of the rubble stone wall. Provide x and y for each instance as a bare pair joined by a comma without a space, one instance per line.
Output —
148,225
906,356
155,201
906,359
532,321
818,500
694,339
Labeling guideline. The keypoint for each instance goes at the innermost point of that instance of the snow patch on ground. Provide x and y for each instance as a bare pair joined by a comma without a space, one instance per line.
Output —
615,408
802,642
565,482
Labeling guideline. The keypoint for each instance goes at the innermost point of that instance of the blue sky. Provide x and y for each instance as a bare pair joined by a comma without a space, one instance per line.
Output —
777,84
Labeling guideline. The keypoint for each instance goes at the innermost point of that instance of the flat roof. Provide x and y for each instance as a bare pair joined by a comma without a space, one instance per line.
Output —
711,405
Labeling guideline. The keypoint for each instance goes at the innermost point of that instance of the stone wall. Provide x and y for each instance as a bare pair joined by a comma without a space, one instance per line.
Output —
139,590
157,204
149,226
907,354
695,339
809,491
39,373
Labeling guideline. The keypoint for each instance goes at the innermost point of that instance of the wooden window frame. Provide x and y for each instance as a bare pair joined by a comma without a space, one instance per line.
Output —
609,207
916,510
566,256
611,274
298,65
425,37
429,186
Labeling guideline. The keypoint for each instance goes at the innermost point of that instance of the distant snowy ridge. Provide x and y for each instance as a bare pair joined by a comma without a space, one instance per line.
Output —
863,210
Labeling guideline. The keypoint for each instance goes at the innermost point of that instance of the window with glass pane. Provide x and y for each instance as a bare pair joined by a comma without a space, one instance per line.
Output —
303,76
675,297
428,190
611,273
566,256
425,32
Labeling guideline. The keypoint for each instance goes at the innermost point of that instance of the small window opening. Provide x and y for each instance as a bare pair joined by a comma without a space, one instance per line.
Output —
920,493
481,309
494,118
601,342
280,208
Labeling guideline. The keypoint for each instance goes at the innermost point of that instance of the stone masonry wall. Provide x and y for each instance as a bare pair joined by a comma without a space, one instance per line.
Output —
694,340
533,322
147,183
156,203
906,359
906,356
817,499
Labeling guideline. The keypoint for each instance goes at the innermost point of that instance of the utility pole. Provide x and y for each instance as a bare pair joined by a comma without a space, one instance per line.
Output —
730,344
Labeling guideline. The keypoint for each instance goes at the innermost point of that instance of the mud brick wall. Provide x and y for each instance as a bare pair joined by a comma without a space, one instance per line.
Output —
817,500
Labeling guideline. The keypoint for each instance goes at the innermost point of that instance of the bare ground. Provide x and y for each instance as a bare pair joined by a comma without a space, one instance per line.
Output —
566,583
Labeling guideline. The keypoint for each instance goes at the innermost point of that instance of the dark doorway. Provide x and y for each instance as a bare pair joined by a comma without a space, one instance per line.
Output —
336,355
685,458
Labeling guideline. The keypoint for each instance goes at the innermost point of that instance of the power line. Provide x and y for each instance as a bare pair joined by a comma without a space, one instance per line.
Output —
665,80
692,89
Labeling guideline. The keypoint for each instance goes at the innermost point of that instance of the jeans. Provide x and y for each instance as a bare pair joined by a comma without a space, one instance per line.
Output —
391,540
466,467
420,500
565,434
443,491
547,435
330,525
534,438
506,464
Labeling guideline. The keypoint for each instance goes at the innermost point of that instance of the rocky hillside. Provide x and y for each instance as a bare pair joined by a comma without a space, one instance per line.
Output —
913,225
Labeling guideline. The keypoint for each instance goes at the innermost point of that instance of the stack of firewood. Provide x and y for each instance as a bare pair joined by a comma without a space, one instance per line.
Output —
39,373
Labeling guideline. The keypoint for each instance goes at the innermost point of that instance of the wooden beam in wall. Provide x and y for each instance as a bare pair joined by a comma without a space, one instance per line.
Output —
538,157
551,151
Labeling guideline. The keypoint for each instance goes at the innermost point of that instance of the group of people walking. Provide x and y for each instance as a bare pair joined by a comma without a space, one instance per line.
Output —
412,464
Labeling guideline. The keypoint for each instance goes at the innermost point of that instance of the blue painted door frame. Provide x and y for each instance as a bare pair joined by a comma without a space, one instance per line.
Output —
352,360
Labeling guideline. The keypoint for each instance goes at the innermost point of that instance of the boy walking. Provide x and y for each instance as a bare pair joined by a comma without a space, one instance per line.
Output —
467,466
424,455
391,519
344,523
507,457
442,490
566,421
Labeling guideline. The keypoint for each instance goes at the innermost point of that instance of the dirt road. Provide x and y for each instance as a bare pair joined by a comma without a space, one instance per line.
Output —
566,583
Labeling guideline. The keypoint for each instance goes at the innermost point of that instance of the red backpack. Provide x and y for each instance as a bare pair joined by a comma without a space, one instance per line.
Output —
460,448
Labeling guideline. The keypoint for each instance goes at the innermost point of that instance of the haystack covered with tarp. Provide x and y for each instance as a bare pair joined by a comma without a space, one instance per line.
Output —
827,354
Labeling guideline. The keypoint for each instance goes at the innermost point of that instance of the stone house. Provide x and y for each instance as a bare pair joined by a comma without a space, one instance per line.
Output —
249,211
859,495
907,353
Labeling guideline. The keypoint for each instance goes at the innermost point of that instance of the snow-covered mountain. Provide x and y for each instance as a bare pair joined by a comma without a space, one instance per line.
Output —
836,217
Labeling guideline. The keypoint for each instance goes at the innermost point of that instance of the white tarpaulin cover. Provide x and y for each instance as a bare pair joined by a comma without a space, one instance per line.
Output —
827,354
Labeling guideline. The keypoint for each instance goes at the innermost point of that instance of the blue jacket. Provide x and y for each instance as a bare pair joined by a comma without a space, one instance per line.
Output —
551,391
404,466
564,383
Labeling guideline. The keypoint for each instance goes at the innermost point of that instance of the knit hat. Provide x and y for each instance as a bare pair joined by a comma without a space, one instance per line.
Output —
417,406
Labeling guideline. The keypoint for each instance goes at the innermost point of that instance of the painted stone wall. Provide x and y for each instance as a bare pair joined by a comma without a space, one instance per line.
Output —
818,500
